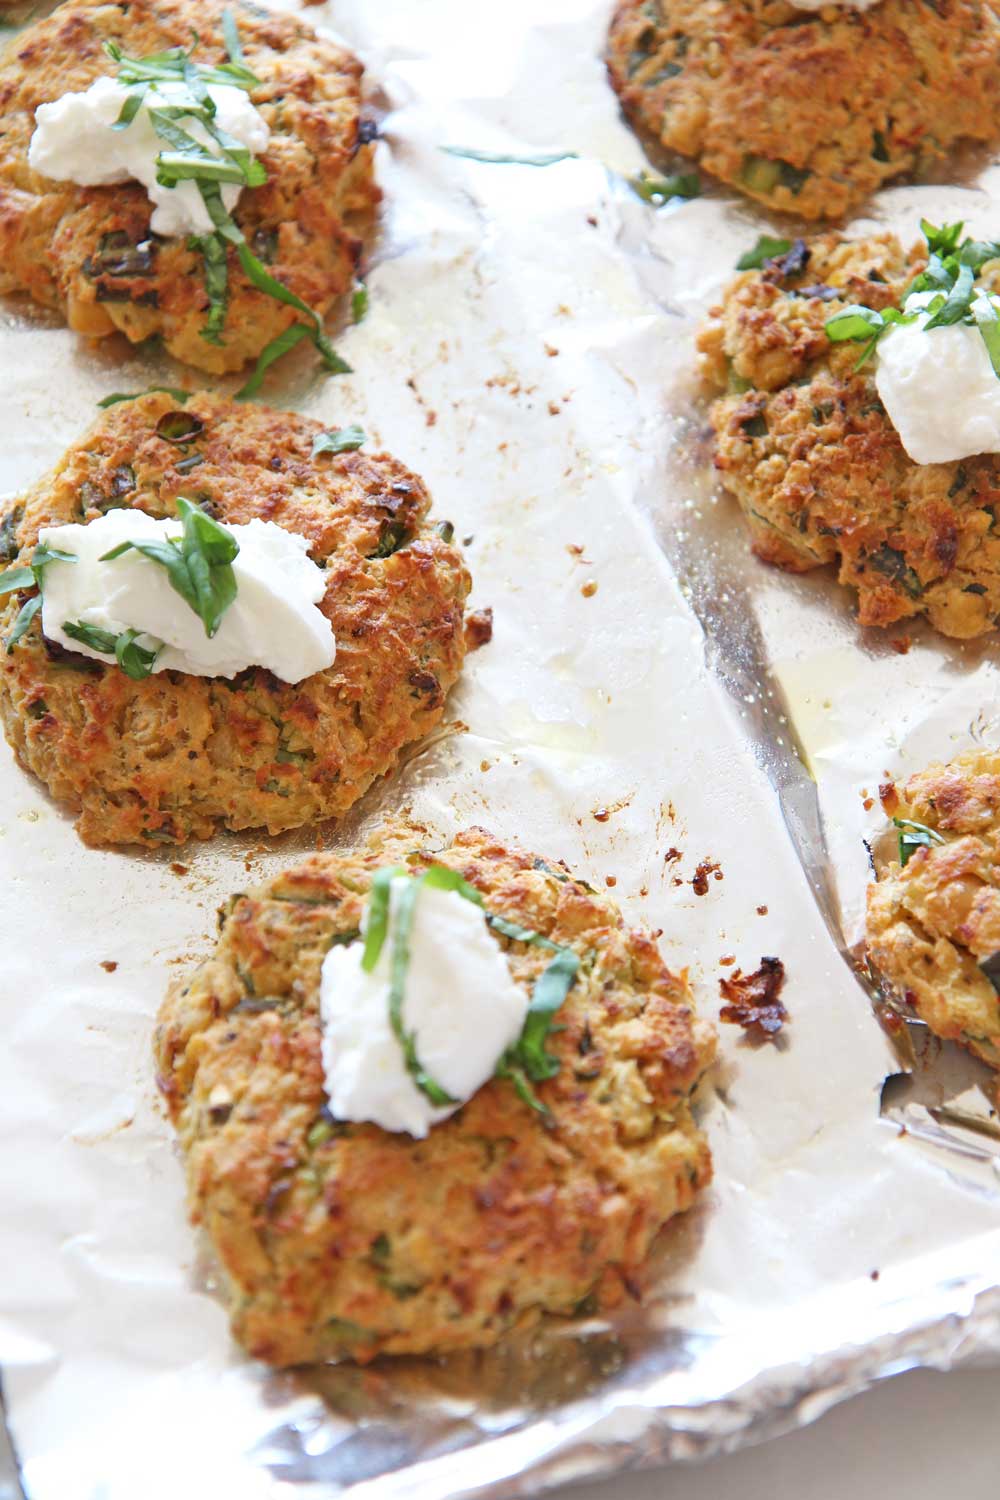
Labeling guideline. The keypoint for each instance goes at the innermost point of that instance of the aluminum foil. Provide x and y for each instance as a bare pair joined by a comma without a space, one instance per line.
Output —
642,709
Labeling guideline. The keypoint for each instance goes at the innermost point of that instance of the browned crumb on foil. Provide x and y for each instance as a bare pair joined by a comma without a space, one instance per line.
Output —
753,1000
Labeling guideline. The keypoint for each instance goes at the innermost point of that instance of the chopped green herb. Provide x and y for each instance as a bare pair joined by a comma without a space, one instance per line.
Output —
661,190
33,576
339,440
913,836
359,303
766,248
8,533
399,963
984,310
853,323
198,563
950,275
25,616
167,390
135,661
378,915
524,1063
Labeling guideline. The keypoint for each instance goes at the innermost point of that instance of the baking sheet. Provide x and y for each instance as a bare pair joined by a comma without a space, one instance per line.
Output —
528,350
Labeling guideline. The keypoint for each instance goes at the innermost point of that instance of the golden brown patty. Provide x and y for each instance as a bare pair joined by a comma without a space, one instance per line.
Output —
935,923
809,113
89,251
341,1239
174,756
805,445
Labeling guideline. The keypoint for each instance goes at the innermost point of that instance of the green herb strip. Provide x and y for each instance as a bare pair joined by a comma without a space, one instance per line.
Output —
952,267
402,926
198,564
27,578
524,1063
135,661
378,915
339,440
766,248
913,836
984,310
117,397
660,190
186,159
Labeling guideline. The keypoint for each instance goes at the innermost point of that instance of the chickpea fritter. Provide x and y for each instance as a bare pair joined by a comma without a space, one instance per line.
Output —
808,112
89,251
933,926
343,1240
176,756
804,443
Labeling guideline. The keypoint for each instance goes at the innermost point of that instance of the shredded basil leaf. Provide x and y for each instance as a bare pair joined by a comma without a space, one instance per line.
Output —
24,619
198,563
984,310
377,924
166,390
135,661
339,440
359,303
659,190
401,928
766,248
913,836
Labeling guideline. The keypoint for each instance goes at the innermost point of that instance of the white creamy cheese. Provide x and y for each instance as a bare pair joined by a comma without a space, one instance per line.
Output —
74,141
460,1001
939,388
272,623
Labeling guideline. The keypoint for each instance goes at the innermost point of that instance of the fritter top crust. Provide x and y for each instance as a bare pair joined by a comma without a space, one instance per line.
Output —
345,1240
175,756
804,443
89,251
934,922
808,113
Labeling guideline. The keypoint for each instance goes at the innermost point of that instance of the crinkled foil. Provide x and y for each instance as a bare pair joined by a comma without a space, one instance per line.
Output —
643,708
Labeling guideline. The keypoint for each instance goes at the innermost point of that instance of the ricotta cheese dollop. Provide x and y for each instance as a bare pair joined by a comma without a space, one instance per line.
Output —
273,622
461,1002
939,388
74,141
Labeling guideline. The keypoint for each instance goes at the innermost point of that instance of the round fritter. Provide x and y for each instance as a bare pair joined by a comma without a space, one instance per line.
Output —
89,251
934,924
804,443
174,756
808,112
345,1240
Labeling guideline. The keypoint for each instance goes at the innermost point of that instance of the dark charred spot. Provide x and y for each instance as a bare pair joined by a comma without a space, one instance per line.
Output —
425,683
946,547
179,427
699,883
117,255
753,1000
792,263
